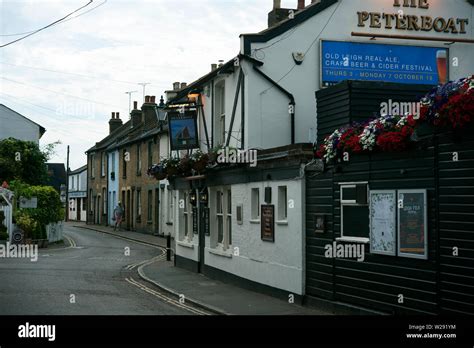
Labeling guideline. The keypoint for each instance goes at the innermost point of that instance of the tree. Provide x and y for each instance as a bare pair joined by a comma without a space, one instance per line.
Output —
25,161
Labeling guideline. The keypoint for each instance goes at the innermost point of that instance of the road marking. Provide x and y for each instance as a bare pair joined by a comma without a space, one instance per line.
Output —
164,298
147,262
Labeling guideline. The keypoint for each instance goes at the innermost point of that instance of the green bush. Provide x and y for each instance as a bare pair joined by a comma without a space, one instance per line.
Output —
49,210
3,228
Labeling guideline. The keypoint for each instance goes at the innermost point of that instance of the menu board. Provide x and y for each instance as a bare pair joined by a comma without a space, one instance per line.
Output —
412,224
383,222
268,223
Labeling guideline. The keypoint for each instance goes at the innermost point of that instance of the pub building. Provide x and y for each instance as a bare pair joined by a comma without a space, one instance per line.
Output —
268,227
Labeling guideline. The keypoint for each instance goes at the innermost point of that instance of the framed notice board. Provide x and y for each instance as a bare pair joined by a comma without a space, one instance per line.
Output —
412,224
268,223
383,222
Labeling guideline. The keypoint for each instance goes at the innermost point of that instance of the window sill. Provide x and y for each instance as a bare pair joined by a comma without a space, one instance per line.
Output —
255,221
185,244
282,222
169,223
220,252
149,223
353,240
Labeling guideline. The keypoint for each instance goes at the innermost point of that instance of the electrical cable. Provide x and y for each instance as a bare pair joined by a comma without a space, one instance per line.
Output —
47,26
64,21
56,92
314,41
70,73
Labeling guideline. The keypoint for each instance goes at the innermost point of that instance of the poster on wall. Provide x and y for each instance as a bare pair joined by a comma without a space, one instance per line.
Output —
383,217
183,130
412,224
342,61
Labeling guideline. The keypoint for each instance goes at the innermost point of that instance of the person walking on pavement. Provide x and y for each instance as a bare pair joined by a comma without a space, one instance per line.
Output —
118,215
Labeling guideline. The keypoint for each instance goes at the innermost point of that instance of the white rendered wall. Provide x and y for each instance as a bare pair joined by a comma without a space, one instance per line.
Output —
278,264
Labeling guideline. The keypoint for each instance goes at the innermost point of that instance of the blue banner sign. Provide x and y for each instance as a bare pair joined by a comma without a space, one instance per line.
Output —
387,63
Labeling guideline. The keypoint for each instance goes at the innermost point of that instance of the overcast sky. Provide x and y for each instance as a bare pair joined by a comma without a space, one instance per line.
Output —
107,52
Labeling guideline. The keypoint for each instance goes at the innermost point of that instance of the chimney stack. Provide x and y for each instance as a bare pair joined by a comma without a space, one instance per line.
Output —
176,86
149,115
115,122
183,85
213,67
279,14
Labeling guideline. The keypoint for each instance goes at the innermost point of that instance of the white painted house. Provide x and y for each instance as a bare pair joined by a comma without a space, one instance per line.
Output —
15,125
264,99
78,194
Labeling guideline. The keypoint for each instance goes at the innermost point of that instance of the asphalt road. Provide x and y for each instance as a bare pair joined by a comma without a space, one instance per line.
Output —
93,275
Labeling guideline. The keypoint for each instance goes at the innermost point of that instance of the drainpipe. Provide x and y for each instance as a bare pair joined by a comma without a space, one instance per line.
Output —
292,104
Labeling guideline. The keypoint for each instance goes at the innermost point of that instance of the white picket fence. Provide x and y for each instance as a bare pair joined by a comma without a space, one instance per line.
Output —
8,222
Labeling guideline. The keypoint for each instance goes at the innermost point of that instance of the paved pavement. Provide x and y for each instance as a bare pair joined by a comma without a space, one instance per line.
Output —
211,295
89,277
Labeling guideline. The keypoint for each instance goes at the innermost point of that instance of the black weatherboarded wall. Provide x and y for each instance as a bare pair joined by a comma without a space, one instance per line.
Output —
442,284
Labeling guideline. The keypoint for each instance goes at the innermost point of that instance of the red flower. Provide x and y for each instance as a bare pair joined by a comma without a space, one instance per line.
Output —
392,141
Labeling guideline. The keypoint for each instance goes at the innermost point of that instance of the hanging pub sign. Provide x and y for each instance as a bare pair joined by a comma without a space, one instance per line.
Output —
383,216
268,223
342,61
412,224
183,130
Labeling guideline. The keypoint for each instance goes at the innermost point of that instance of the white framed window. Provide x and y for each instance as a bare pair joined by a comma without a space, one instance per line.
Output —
282,203
222,211
355,219
255,204
186,217
220,113
170,204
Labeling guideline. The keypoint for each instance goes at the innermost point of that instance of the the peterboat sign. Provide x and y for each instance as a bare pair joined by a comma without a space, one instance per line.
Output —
402,20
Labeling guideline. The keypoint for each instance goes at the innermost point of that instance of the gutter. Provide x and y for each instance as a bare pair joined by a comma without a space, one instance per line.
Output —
292,104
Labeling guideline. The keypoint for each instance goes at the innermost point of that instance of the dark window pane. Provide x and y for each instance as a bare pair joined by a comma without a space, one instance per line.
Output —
355,221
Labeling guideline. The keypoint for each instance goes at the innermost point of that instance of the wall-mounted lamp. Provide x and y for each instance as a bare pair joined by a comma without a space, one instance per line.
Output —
204,197
193,198
193,95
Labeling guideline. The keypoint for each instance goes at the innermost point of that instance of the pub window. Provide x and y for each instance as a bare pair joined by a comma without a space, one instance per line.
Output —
354,212
84,204
150,206
255,204
282,203
139,159
220,113
186,217
170,205
223,218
